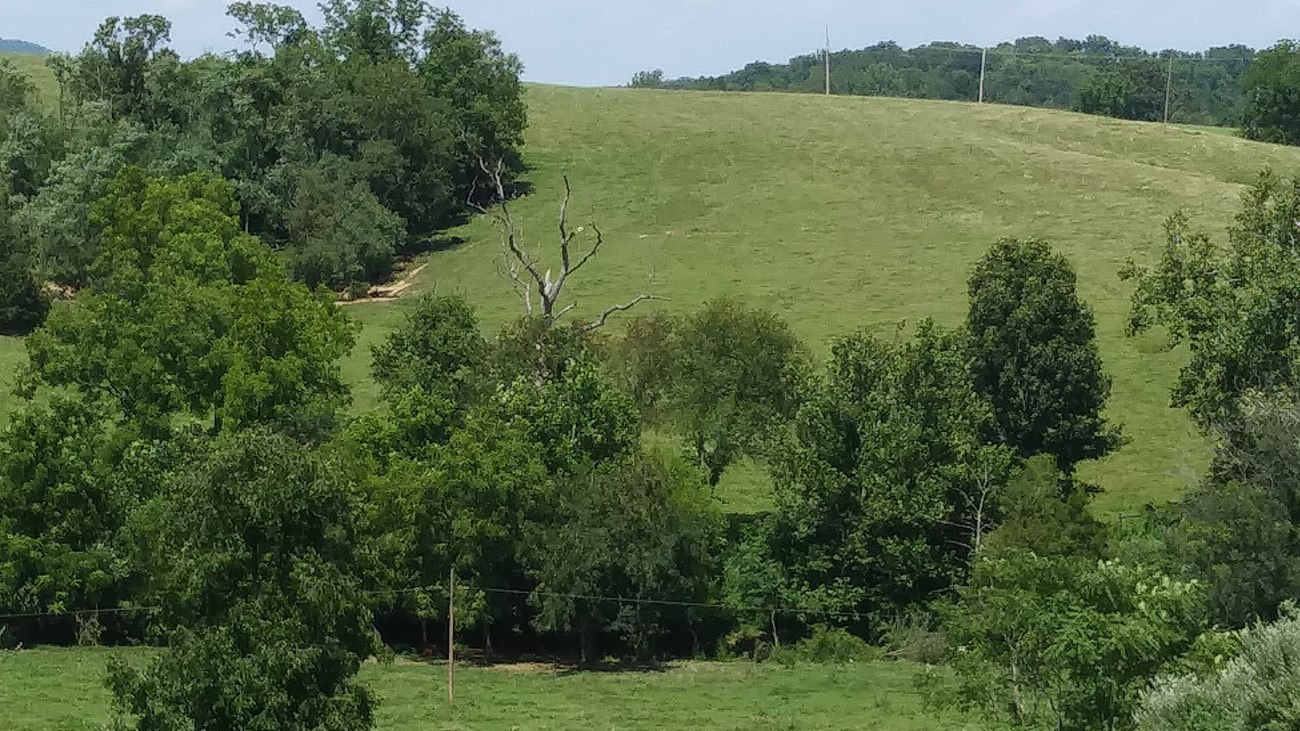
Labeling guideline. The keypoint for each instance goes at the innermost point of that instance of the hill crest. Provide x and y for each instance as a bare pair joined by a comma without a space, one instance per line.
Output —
14,45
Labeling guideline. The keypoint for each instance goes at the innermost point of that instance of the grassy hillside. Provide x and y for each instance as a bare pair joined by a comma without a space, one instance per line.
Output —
43,690
34,66
844,213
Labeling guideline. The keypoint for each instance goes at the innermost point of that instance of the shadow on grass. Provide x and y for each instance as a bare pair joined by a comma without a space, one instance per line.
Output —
560,665
429,245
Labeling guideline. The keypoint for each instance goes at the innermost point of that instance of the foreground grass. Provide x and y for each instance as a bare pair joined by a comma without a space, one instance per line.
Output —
62,690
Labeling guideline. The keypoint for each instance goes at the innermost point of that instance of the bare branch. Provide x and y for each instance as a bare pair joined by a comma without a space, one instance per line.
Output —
600,239
565,236
510,273
600,321
548,289
508,223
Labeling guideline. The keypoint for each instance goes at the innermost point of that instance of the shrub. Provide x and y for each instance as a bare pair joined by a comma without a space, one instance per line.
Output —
1258,689
913,637
827,645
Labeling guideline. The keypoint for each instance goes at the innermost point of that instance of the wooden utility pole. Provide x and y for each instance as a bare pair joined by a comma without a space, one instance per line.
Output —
451,637
1169,82
828,60
984,60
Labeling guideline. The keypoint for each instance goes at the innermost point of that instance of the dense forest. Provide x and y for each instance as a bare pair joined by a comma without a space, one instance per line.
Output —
347,145
1095,75
184,468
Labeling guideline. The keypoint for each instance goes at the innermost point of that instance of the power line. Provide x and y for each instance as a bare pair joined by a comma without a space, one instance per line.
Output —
79,612
489,590
920,52
672,602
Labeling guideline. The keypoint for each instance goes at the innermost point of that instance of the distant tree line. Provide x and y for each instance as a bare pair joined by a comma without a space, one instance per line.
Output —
14,45
1095,75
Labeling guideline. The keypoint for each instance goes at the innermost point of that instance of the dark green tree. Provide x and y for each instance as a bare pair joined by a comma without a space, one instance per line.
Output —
1272,89
647,79
1035,357
1095,73
1233,306
439,349
1129,88
882,496
340,233
576,420
24,302
458,503
1240,536
188,314
62,507
636,527
738,377
260,562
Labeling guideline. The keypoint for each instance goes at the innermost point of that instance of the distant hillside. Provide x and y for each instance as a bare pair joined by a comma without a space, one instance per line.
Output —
1063,74
11,45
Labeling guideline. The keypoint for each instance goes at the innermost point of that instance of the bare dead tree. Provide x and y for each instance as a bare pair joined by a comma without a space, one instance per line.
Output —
978,498
526,275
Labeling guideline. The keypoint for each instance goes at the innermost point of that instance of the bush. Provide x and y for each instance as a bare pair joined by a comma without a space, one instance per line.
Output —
913,637
1255,690
1067,641
828,645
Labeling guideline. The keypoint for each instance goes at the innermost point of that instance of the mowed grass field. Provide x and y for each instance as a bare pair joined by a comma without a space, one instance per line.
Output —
63,690
849,213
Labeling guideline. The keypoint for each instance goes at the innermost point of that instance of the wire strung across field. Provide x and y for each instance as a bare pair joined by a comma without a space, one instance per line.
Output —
487,590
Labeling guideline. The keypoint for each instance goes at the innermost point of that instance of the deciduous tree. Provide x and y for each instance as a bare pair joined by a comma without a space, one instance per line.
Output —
1035,357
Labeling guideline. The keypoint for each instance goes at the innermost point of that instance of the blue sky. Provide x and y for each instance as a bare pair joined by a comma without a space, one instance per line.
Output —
595,42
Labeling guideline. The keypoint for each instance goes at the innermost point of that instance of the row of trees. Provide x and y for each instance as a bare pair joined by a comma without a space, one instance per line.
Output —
1095,75
346,144
1224,86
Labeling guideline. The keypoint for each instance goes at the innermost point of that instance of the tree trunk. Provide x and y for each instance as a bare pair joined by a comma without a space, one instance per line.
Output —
587,639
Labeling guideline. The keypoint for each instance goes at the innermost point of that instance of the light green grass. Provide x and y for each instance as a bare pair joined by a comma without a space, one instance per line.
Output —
34,66
62,690
12,357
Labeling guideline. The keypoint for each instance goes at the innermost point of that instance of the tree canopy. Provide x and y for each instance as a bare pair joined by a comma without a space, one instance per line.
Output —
347,144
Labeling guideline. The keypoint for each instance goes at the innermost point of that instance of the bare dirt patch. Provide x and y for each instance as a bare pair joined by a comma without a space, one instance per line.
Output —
390,291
